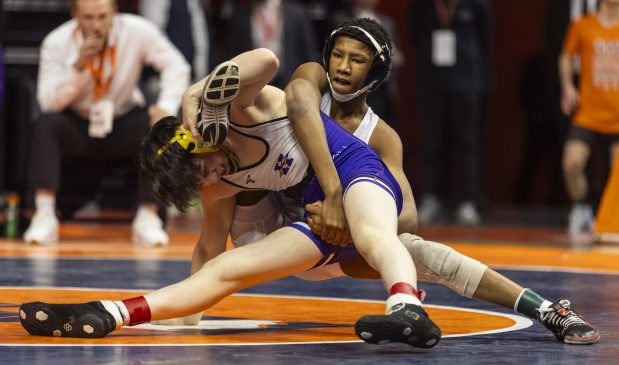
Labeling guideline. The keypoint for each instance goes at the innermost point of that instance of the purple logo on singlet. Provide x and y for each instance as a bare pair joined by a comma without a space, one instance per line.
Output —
283,164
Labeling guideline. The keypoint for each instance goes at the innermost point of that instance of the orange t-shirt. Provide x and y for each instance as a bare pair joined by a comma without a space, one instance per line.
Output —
598,47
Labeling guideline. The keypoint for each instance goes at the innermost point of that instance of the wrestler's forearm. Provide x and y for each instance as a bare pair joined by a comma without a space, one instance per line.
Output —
218,215
256,69
256,66
302,101
316,76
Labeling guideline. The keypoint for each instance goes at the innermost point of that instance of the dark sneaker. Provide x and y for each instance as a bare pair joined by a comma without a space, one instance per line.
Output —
220,89
409,324
567,325
87,320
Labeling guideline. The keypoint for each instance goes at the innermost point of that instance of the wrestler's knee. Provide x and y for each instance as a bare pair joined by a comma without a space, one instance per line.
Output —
441,263
367,239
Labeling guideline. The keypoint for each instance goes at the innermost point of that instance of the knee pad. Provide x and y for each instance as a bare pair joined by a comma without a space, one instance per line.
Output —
254,222
441,264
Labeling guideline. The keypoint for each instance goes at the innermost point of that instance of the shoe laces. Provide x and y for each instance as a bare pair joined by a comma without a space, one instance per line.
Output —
560,314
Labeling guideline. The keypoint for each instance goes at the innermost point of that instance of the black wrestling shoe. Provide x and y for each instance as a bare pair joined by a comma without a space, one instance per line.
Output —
220,89
86,320
409,324
567,325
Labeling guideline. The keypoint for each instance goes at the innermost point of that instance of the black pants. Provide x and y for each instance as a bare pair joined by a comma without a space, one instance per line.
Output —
64,136
447,117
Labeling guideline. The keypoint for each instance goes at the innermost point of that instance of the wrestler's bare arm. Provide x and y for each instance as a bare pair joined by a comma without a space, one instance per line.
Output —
218,202
388,145
303,106
315,74
256,69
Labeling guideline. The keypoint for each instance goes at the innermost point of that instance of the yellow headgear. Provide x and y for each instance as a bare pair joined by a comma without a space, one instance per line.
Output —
184,138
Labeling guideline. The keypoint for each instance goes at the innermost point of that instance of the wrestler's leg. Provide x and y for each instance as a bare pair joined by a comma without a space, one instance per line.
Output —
257,214
441,264
372,216
284,252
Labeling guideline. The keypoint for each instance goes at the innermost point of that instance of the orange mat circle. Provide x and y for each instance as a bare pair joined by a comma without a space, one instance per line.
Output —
244,319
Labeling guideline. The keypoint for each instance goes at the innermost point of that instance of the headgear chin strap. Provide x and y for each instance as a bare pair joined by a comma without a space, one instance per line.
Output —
342,98
233,160
190,143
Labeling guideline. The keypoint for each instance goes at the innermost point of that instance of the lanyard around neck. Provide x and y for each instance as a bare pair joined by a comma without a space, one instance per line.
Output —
101,85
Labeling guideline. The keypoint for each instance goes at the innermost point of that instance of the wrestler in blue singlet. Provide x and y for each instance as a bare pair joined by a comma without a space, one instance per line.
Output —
355,162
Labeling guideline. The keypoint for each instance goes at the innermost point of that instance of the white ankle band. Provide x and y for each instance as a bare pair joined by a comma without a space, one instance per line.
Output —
123,311
114,311
400,298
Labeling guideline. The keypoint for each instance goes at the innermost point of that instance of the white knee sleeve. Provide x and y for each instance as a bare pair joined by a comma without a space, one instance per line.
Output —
441,264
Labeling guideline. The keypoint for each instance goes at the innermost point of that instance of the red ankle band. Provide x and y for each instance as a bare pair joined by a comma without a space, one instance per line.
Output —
403,288
139,311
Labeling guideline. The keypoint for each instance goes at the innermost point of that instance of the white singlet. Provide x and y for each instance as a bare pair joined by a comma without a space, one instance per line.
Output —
284,164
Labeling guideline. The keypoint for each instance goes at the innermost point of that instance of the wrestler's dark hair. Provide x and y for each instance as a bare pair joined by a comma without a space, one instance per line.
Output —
382,61
369,25
175,175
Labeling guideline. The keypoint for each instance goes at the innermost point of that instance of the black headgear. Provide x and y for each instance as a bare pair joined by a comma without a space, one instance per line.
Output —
382,58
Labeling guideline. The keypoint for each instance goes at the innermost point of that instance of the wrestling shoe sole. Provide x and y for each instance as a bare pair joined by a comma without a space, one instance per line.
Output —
222,84
43,319
380,330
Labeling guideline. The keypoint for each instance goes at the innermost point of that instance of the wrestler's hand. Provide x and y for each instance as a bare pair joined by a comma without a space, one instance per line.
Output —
190,106
314,220
314,210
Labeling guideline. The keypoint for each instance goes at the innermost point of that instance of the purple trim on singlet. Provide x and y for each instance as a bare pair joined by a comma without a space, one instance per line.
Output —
373,180
304,228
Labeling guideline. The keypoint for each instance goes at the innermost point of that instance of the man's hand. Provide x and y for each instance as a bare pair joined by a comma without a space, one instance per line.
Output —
93,44
314,219
156,113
